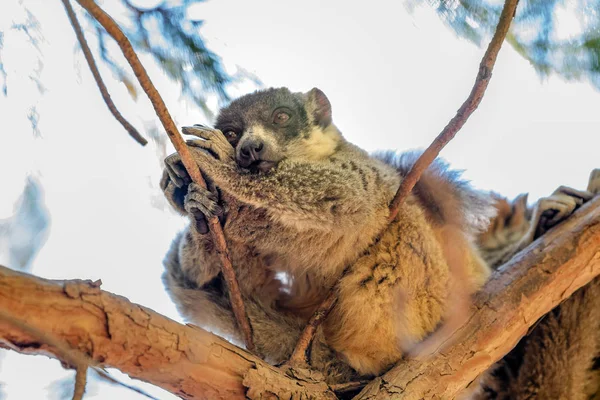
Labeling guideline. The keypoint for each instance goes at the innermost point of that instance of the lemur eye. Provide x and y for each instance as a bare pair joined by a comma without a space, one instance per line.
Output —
231,135
281,117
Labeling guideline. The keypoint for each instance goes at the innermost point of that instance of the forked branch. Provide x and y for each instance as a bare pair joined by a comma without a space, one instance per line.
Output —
163,114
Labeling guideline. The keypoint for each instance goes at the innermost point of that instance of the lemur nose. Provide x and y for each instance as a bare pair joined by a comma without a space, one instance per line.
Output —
252,150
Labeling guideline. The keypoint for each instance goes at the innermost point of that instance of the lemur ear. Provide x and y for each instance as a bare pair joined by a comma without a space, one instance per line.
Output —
320,107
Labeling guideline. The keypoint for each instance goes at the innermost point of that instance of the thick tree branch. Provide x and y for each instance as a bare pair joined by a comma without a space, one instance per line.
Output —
193,363
523,290
464,112
98,78
163,114
113,332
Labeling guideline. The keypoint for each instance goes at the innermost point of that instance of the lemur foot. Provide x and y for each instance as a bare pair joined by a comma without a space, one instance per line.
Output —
176,171
213,140
551,210
199,200
187,196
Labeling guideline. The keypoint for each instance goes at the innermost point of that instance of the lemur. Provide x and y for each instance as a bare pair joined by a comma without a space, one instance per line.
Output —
297,200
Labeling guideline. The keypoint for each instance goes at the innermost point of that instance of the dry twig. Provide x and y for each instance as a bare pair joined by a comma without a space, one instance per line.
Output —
464,112
308,333
96,74
163,114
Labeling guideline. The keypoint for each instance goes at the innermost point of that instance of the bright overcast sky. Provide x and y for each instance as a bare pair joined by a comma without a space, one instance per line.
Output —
394,80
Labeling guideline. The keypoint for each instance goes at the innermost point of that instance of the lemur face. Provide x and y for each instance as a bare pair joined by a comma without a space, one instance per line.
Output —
266,127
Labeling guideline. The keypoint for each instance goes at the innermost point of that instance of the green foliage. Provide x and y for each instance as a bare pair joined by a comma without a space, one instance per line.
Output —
555,36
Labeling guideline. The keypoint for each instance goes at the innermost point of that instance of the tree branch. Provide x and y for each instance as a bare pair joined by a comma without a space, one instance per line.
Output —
518,294
464,112
113,332
163,114
98,78
193,363
410,180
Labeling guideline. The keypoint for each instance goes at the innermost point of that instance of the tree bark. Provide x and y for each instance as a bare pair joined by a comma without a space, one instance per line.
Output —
193,363
183,359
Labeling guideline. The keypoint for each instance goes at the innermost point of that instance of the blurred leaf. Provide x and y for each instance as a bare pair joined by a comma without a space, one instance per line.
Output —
177,47
23,234
555,36
2,70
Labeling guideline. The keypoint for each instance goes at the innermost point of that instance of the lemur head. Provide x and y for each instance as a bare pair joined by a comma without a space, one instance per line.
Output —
268,126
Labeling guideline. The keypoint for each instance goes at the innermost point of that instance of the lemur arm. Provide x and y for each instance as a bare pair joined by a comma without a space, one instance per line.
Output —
322,192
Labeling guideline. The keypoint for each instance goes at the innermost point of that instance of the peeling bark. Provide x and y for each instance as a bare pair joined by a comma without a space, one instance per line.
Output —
183,359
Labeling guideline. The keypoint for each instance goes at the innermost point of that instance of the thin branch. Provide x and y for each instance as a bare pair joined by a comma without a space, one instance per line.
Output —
299,356
66,354
80,381
96,74
481,83
163,114
464,112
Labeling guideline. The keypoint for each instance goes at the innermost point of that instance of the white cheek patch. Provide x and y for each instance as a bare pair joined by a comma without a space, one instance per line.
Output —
320,143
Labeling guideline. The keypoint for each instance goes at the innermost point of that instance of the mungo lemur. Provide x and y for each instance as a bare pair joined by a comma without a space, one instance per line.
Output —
300,202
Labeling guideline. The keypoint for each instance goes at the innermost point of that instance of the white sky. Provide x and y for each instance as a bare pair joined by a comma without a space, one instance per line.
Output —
394,80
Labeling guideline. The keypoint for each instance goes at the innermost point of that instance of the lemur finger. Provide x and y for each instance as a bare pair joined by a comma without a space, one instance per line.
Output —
199,199
519,211
201,131
173,194
220,151
594,182
209,134
558,207
164,180
580,196
176,170
200,223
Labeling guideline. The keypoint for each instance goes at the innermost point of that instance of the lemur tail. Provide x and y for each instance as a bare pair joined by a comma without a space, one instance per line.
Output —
448,198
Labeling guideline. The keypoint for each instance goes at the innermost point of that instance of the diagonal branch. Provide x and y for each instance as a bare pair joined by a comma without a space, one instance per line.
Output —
410,180
464,112
163,114
96,74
